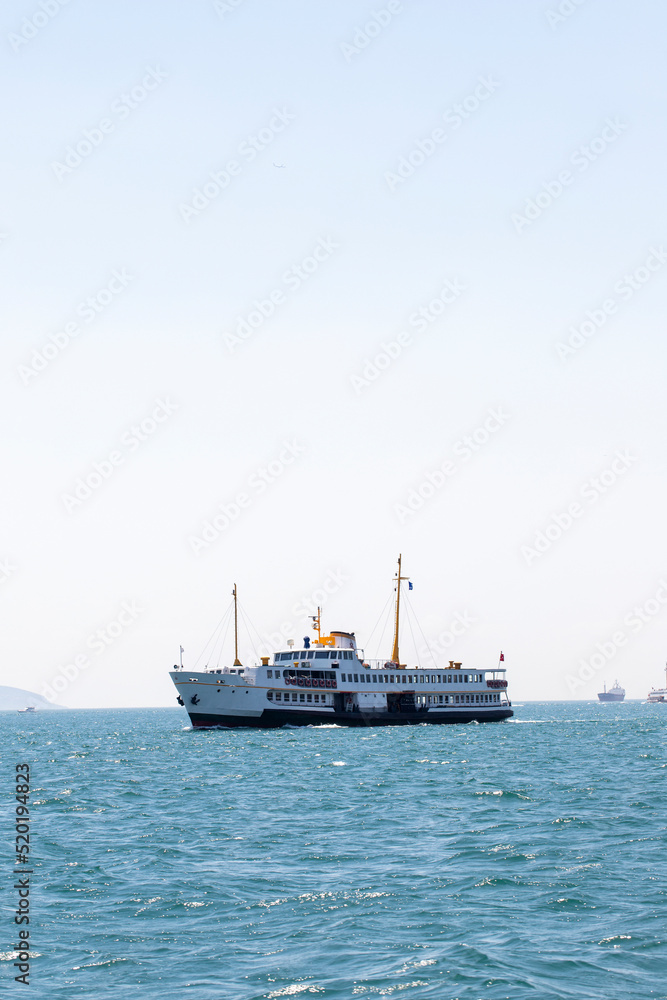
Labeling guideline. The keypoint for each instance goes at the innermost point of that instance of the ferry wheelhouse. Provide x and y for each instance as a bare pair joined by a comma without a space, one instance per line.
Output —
330,681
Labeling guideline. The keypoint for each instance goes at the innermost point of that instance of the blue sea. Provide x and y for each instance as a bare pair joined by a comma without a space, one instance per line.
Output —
523,859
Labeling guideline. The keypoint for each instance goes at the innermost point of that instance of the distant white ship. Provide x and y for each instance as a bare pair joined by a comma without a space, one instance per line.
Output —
658,695
615,693
30,708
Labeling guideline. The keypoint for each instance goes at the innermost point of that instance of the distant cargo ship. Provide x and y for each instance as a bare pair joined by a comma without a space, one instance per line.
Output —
615,693
658,695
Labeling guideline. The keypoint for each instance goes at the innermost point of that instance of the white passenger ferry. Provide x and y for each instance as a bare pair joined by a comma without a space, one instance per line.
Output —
658,696
330,681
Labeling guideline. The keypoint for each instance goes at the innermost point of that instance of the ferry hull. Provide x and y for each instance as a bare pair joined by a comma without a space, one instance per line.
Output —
275,718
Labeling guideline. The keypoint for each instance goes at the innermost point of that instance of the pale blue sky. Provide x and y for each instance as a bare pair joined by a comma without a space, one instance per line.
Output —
219,77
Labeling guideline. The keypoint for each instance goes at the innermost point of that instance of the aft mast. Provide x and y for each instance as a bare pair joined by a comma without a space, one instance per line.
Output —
398,578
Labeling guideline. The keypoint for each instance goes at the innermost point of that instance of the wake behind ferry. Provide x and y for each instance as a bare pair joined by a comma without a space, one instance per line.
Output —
330,681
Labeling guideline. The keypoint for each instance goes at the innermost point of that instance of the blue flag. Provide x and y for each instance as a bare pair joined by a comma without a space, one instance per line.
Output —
409,585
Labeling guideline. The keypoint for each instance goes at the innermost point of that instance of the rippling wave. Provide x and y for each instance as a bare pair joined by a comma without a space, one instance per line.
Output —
499,861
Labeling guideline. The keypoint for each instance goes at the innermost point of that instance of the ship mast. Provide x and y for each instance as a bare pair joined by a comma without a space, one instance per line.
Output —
398,578
237,662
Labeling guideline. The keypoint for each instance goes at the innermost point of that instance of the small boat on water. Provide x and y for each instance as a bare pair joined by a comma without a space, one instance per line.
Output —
615,693
330,681
657,696
30,708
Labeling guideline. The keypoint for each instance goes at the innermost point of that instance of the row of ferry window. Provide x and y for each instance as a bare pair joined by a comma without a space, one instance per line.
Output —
301,696
376,677
448,678
326,674
307,697
316,654
456,699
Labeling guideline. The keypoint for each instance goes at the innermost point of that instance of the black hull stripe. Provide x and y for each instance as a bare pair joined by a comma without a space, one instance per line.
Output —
273,719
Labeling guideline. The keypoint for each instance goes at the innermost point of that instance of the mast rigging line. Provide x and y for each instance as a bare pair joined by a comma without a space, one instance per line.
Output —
384,612
412,611
410,615
217,639
245,618
211,638
222,644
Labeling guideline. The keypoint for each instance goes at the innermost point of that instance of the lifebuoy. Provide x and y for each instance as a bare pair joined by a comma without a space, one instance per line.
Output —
308,682
334,684
301,682
328,684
